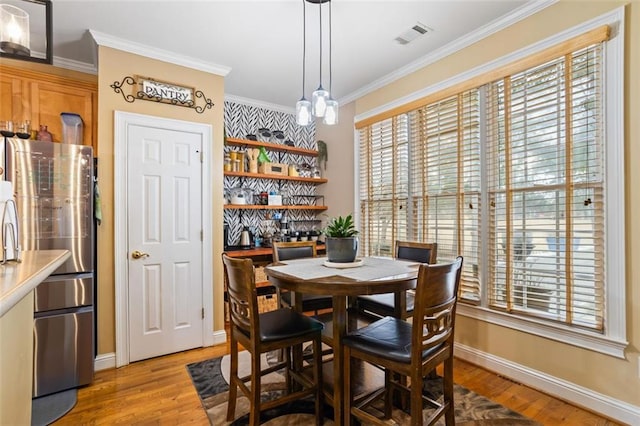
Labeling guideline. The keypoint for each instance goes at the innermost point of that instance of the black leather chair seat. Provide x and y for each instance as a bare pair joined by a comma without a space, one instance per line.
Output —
388,338
295,253
384,304
310,302
286,323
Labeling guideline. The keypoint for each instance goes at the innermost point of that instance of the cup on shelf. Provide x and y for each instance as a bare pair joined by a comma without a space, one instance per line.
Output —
6,128
23,129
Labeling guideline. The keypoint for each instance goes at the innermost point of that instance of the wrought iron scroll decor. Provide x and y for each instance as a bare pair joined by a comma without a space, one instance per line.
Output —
160,91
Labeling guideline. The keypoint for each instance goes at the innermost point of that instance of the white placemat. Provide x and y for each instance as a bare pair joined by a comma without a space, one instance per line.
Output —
374,268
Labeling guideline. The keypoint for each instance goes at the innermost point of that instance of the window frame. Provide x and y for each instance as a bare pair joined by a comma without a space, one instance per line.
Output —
613,340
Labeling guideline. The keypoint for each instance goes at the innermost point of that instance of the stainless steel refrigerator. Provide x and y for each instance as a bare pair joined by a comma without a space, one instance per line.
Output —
53,186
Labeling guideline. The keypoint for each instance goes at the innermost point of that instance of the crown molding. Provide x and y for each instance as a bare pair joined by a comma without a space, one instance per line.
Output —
611,18
460,43
113,42
259,104
70,64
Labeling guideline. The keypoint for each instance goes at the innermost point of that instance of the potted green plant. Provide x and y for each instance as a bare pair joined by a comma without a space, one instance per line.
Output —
341,239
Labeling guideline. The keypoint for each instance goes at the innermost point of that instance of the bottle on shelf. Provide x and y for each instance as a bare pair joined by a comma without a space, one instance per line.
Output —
44,134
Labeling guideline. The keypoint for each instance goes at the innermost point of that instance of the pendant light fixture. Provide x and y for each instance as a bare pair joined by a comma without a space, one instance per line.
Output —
331,112
322,104
16,32
303,106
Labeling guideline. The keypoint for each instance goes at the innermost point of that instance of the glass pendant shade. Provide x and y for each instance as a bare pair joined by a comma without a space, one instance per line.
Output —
303,112
14,30
331,114
319,102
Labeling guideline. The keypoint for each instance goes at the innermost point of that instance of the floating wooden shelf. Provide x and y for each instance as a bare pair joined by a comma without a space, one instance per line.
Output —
276,177
264,207
272,147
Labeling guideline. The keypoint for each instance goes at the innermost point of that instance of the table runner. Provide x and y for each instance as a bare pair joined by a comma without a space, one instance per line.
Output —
373,268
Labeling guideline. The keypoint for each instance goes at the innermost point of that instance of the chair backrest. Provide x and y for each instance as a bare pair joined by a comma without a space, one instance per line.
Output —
418,252
435,305
293,250
243,297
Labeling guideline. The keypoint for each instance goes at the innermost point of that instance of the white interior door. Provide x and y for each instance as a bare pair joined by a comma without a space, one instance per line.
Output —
164,241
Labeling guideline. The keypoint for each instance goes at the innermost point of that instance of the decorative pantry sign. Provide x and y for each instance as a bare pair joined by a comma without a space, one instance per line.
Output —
166,92
149,89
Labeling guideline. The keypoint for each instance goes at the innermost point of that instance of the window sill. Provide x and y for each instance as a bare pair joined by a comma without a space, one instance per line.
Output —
579,338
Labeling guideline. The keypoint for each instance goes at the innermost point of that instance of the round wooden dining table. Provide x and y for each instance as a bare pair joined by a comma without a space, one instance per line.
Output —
372,275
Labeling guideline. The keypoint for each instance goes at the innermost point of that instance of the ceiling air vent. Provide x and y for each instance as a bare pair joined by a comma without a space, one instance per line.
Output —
412,33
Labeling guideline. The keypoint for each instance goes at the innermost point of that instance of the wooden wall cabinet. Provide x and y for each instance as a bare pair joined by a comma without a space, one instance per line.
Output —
41,97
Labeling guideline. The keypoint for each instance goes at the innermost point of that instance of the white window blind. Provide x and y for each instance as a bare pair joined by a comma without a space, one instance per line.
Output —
445,182
546,169
509,170
384,184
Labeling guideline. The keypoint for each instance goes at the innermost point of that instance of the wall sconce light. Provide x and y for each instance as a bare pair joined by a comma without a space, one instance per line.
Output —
25,30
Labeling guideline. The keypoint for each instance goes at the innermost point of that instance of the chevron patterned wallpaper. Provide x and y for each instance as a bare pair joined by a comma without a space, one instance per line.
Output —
241,120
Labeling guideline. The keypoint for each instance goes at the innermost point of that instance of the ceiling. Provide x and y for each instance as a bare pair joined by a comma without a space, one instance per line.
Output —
260,41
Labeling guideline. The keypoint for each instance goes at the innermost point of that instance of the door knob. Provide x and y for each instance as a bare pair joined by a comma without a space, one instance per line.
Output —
136,254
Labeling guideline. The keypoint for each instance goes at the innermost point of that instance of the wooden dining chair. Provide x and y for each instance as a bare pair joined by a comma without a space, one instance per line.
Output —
410,349
280,329
296,250
381,305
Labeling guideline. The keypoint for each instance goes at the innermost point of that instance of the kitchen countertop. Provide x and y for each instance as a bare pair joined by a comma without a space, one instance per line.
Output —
18,279
260,251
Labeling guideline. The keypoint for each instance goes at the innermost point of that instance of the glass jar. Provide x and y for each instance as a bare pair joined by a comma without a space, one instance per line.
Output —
227,162
264,134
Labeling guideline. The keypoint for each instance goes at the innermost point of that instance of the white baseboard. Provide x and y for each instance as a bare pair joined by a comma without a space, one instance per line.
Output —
219,337
593,401
108,360
105,361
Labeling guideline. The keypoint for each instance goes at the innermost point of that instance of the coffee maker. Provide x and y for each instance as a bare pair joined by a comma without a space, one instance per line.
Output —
226,236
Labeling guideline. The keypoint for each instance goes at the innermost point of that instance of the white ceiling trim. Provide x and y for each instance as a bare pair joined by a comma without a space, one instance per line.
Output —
608,18
453,47
107,40
70,64
259,104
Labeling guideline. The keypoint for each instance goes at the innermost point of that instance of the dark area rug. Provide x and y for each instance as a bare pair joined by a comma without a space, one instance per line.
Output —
212,387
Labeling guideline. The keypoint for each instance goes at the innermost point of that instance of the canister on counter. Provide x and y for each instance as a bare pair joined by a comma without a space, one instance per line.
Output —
241,162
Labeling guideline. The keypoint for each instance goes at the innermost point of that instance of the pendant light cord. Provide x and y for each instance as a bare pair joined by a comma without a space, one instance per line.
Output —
320,7
304,42
330,54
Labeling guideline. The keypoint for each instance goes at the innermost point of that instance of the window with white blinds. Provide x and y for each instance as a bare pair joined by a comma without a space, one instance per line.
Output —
384,185
445,182
545,184
511,174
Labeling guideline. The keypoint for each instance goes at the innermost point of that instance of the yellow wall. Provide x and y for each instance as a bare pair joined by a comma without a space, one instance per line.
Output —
604,374
114,65
339,191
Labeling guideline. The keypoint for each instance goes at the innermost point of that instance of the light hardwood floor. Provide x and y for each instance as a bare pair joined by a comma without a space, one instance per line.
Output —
159,391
